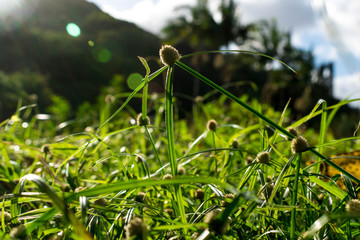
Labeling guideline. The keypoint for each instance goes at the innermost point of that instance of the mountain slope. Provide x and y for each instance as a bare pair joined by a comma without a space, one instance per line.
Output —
76,67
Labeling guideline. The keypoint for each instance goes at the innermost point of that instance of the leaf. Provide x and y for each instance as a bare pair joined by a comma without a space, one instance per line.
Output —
330,188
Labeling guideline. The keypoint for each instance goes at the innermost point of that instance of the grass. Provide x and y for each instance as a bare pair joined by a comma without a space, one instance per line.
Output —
176,178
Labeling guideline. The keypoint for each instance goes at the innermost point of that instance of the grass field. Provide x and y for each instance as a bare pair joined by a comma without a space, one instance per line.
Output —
236,170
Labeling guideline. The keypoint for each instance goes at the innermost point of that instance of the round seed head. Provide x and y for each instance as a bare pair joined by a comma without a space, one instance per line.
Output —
353,207
293,131
263,157
140,197
299,144
219,227
181,171
228,196
235,143
18,232
100,201
167,176
249,160
109,99
135,229
46,149
211,125
169,55
210,216
199,194
142,122
7,216
169,211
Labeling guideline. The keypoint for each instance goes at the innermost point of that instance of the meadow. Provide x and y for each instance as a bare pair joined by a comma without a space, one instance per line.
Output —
237,169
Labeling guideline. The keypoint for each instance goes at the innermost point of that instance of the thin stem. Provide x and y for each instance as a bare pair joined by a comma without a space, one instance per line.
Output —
270,122
294,199
169,118
154,148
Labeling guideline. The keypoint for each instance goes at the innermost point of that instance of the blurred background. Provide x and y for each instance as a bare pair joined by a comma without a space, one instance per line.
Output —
68,56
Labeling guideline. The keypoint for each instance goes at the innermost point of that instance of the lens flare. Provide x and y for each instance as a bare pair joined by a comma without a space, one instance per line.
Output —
73,29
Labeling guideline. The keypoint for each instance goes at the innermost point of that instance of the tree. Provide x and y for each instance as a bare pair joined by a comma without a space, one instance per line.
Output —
198,27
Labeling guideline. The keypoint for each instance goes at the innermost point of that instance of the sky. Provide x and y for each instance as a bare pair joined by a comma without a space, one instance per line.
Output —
330,28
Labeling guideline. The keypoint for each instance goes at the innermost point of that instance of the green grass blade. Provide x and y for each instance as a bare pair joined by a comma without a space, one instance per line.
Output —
151,77
261,116
135,184
145,90
239,51
169,121
294,198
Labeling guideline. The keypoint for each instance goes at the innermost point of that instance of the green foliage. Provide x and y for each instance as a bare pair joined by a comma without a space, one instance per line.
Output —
23,88
91,184
75,68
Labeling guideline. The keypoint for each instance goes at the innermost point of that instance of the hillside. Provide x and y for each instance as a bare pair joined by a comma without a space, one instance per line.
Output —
75,67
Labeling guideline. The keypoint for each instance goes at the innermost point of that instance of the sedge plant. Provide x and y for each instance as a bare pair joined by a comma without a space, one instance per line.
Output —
91,185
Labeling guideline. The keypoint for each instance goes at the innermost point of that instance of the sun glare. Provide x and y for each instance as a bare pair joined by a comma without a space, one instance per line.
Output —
14,12
9,7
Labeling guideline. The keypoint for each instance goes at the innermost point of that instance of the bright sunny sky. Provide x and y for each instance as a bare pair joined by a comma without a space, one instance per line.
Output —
330,28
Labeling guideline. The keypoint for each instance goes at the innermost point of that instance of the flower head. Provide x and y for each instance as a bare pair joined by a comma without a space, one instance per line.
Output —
299,144
169,55
235,143
216,225
212,125
135,228
353,207
199,194
18,232
293,131
167,176
263,157
7,216
142,122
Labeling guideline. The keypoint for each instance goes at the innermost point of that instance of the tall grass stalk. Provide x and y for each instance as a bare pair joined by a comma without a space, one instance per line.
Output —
169,118
294,198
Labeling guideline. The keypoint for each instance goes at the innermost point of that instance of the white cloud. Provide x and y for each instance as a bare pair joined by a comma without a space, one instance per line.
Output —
346,20
148,14
290,15
348,87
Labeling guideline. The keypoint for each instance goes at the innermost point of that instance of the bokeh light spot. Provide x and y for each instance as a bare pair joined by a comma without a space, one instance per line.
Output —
104,55
91,43
134,80
73,30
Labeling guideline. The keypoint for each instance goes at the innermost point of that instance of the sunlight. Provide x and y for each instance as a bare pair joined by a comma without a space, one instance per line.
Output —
9,7
15,12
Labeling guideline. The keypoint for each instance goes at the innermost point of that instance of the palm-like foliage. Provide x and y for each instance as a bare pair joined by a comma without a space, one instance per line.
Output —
199,27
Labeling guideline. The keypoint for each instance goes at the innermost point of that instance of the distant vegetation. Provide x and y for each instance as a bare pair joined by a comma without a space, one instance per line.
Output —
207,145
75,68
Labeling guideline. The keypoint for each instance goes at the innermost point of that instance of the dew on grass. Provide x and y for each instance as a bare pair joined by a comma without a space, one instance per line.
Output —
132,121
43,116
16,148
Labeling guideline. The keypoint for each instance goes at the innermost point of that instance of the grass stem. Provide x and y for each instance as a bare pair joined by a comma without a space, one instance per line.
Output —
169,119
294,199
